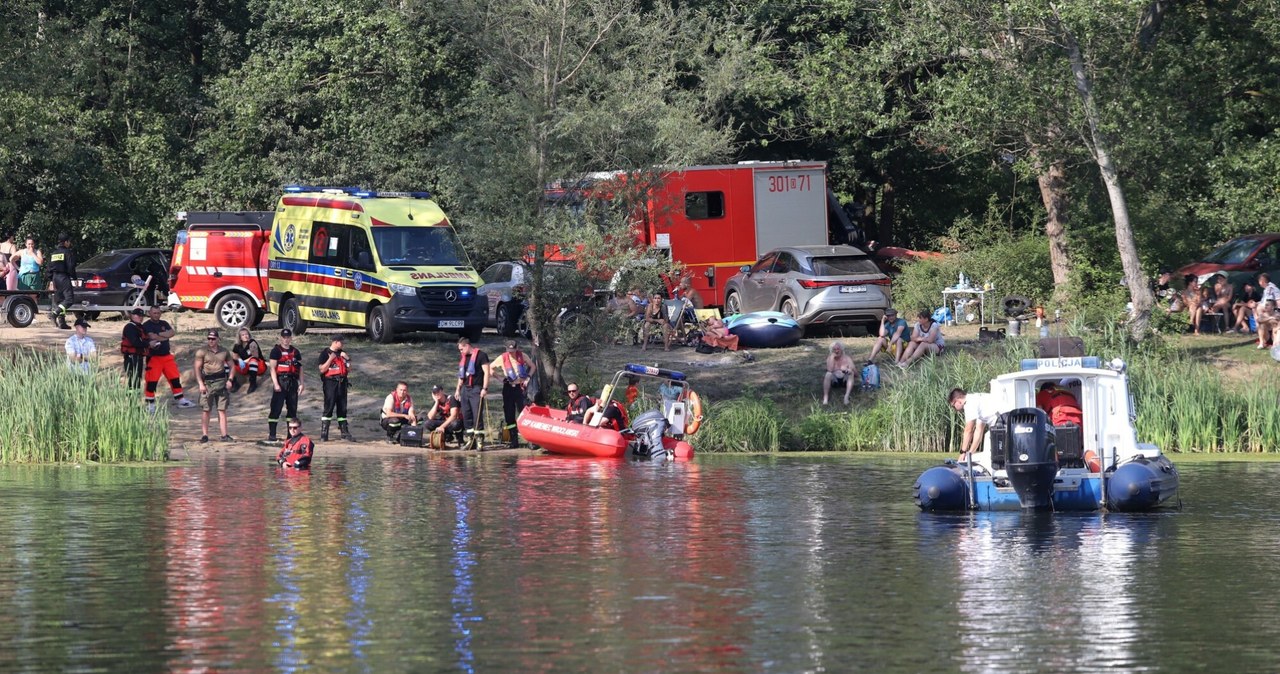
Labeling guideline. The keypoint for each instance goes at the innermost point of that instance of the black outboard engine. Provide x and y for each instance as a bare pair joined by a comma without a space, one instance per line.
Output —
1031,457
648,430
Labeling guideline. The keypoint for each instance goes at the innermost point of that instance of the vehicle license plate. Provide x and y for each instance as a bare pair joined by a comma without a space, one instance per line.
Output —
451,324
853,289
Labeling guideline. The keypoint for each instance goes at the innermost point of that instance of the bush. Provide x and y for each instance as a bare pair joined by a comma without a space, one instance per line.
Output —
1014,265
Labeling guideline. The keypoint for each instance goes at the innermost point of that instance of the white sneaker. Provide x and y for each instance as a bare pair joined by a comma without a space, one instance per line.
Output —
184,403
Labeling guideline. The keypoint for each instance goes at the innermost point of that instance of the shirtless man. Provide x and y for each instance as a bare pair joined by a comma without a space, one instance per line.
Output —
839,373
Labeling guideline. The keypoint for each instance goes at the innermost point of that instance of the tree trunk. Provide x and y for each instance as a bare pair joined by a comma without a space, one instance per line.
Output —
1053,192
886,212
1139,293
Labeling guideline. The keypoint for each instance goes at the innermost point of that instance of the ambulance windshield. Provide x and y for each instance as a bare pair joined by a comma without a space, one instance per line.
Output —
419,247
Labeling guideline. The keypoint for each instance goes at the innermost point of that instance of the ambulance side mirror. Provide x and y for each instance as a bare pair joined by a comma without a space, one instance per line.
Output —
364,259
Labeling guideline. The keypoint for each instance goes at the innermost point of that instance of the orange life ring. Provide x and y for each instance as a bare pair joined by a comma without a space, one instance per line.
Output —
695,413
1092,462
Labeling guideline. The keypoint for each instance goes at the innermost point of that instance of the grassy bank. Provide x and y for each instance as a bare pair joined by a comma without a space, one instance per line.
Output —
52,414
1183,402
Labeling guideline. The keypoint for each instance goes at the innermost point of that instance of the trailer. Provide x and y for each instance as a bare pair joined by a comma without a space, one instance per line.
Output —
20,307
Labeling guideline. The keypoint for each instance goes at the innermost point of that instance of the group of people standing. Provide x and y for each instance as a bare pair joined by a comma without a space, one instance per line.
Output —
20,266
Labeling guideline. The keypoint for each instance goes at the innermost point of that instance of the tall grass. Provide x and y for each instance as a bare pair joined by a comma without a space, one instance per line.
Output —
747,424
52,414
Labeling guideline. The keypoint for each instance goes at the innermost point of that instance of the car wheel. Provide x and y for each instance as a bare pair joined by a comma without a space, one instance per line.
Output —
291,317
732,305
378,325
92,315
789,307
522,326
22,311
235,311
506,320
129,301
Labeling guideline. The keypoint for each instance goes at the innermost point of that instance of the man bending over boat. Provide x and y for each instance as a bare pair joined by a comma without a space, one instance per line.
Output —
980,411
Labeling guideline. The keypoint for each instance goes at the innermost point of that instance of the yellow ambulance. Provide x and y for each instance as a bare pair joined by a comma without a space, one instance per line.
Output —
388,262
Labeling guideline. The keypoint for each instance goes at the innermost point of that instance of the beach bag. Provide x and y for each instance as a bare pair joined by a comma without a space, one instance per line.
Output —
870,377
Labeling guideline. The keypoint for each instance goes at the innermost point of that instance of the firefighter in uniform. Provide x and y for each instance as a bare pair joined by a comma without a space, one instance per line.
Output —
335,366
133,346
473,384
285,366
443,415
62,266
515,377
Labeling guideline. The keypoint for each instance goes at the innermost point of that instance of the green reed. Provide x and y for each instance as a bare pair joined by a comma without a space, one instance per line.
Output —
747,424
53,414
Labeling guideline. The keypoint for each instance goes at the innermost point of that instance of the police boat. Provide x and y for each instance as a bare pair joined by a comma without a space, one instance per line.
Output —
1092,462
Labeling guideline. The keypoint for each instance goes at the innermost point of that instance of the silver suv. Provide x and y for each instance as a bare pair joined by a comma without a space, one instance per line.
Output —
816,285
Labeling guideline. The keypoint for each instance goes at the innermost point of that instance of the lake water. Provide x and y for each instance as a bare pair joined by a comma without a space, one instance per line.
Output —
486,564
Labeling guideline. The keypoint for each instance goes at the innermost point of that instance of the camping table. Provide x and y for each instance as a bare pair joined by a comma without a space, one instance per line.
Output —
955,298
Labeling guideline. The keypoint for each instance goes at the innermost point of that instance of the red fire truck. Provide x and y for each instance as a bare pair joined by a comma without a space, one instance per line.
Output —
714,219
219,264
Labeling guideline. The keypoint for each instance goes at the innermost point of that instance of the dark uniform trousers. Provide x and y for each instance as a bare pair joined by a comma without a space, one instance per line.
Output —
512,405
134,363
286,398
335,399
469,399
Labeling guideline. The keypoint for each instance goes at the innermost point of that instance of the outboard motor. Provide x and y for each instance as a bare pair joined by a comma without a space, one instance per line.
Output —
1031,458
648,430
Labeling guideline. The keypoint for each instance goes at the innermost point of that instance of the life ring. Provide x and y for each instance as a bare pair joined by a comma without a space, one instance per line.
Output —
1091,461
695,413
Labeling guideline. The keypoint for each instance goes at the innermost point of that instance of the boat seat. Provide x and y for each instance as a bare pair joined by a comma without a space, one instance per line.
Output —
1069,439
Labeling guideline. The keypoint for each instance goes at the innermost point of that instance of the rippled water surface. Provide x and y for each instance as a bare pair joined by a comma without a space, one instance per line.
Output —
558,565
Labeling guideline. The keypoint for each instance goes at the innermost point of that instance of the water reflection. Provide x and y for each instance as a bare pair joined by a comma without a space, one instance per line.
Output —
449,563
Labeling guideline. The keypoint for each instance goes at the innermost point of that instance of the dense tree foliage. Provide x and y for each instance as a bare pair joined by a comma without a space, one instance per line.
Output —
934,113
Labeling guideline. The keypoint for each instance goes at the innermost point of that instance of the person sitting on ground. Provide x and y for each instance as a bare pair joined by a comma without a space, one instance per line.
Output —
398,410
655,319
578,404
716,335
443,415
298,449
894,332
1267,317
1244,307
839,373
926,339
981,410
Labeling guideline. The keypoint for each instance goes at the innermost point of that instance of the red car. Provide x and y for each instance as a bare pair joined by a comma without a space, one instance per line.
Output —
1241,259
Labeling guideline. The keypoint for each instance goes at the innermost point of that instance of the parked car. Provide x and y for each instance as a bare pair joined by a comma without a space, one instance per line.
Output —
816,285
1241,259
504,285
116,277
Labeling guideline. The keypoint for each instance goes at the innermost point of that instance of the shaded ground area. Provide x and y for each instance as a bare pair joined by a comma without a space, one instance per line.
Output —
791,377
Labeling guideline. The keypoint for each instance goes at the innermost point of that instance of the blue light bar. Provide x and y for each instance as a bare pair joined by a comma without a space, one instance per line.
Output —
1091,362
358,192
655,372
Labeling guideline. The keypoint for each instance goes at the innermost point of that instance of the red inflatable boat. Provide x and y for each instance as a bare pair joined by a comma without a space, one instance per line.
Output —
548,429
